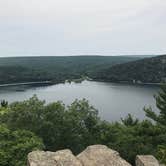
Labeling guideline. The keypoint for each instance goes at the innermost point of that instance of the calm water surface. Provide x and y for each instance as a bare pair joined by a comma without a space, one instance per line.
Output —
113,101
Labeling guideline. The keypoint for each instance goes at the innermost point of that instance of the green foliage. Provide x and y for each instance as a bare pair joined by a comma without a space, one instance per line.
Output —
160,120
132,140
75,127
4,103
161,153
148,70
55,124
161,105
25,115
56,69
15,145
3,110
82,123
129,120
25,125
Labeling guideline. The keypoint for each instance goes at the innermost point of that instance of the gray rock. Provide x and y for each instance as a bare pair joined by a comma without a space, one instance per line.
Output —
100,155
95,155
59,158
146,160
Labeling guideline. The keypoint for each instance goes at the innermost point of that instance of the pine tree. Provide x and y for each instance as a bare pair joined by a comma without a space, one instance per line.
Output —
161,153
4,103
161,105
129,120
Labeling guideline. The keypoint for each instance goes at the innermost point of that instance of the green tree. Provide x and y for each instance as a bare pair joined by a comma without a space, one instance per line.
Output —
15,145
129,120
78,125
160,120
161,153
74,127
161,105
82,126
25,115
129,141
4,103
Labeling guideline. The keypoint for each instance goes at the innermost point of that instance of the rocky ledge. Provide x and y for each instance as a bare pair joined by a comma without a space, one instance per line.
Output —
95,155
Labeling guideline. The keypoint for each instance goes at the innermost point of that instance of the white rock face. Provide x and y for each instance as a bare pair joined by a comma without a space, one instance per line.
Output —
59,158
146,160
95,155
100,155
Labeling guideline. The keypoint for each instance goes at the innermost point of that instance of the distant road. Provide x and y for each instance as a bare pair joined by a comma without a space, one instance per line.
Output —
25,83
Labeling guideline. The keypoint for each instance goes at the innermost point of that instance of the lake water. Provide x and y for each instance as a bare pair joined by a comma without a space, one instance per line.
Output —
113,101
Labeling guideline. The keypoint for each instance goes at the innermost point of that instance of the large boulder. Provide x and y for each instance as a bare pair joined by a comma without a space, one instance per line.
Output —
146,160
95,155
59,158
100,155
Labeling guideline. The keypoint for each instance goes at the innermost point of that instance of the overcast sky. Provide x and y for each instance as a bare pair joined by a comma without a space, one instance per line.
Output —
79,27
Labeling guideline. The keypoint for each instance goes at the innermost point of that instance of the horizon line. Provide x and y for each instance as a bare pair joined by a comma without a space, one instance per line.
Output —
81,55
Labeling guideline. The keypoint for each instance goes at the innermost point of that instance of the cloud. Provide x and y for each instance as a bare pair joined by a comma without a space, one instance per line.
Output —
65,27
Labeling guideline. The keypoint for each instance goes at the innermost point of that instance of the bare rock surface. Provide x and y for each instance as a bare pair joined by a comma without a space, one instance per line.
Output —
59,158
100,155
95,155
146,160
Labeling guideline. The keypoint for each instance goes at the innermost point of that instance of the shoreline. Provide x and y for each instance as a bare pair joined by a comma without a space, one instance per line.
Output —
130,83
52,83
26,83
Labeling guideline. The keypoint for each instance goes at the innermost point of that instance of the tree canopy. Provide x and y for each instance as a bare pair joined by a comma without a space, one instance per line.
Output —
33,124
15,145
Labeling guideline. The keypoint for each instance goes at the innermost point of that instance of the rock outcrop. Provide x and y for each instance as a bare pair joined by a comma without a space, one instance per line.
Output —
146,160
100,155
59,158
95,155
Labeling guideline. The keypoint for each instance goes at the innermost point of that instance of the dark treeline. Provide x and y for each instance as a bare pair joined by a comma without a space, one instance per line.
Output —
32,124
103,68
148,70
56,69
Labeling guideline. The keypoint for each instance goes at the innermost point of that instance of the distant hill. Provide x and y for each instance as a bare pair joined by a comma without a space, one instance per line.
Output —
57,69
147,70
62,61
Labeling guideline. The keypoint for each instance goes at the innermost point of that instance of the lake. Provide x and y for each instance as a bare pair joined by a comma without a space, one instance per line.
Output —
113,101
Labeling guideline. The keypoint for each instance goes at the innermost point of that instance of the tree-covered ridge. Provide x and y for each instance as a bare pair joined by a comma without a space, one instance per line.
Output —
56,69
148,70
33,124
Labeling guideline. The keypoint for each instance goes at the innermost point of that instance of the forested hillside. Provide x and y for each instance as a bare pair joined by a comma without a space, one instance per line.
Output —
104,68
148,70
56,69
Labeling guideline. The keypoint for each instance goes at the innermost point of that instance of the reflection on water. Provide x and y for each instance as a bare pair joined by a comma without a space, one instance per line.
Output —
112,100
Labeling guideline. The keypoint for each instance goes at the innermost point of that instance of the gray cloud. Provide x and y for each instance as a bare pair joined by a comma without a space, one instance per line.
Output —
74,27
